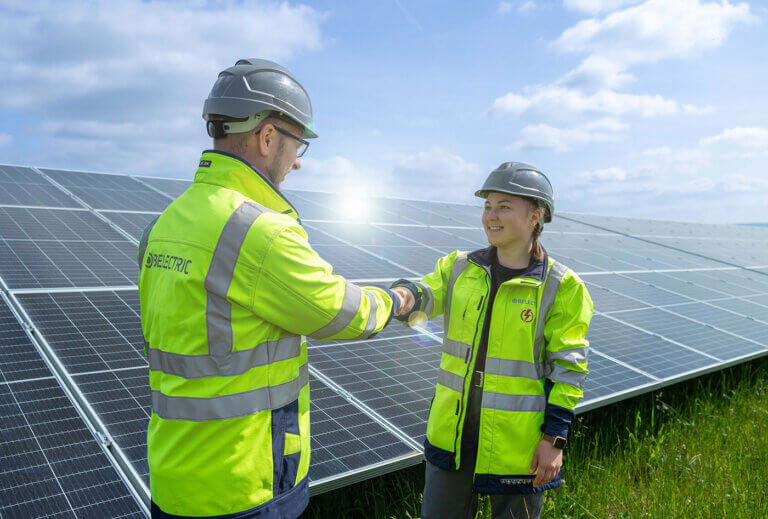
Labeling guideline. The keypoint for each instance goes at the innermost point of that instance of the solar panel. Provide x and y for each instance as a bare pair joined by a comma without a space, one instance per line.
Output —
670,303
47,248
102,191
20,185
89,331
131,223
50,462
19,359
395,377
169,186
651,354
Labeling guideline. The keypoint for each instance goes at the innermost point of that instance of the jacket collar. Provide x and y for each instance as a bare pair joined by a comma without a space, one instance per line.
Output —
232,172
536,269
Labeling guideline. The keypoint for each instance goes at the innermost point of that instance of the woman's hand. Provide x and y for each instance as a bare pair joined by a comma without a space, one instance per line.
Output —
406,300
547,459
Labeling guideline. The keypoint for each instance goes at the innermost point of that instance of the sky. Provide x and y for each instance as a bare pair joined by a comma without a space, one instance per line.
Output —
650,109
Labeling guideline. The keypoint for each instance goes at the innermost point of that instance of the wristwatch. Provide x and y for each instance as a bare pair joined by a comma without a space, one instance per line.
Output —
557,442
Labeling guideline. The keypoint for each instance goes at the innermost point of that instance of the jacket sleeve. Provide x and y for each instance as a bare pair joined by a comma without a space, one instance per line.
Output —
430,292
296,290
566,353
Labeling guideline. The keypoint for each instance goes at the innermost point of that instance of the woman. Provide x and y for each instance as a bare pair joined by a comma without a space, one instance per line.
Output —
514,357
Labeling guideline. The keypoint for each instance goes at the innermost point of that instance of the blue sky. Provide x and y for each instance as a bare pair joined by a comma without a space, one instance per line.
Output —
653,109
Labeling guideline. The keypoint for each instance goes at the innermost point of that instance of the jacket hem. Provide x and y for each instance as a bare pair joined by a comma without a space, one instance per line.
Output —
289,505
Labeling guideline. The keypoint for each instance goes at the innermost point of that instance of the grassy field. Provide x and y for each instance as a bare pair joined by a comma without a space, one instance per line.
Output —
696,449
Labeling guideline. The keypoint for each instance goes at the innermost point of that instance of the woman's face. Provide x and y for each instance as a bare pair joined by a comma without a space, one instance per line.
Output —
508,219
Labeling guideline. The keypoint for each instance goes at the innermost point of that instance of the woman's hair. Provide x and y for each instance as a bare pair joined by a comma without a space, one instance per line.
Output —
537,251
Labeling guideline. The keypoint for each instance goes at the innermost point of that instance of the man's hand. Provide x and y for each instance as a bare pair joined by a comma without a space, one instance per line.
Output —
406,300
547,459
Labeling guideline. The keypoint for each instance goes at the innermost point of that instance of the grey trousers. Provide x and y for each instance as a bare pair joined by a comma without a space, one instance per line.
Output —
449,495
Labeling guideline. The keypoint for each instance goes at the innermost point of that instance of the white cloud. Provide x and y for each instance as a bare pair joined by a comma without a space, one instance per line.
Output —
135,71
527,6
745,136
655,30
558,102
596,73
603,175
596,6
5,139
505,8
543,136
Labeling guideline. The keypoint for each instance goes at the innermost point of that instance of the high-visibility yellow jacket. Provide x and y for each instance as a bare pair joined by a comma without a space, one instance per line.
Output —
228,286
536,358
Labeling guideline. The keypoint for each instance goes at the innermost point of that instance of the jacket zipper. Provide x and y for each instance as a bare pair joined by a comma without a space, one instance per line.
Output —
458,422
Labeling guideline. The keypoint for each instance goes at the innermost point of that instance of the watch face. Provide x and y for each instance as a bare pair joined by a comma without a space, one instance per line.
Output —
559,442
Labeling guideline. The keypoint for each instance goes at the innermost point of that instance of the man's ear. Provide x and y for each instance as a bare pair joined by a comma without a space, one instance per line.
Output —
265,139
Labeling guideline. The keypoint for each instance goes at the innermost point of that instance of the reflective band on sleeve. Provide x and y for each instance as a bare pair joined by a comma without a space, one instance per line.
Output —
237,363
574,355
229,406
353,295
371,324
144,241
428,300
552,283
511,368
567,376
218,311
517,403
450,380
456,349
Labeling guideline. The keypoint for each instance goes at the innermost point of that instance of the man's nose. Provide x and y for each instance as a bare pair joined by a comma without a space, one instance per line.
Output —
296,164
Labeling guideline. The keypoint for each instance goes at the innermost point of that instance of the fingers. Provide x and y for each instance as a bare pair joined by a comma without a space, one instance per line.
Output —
545,475
406,300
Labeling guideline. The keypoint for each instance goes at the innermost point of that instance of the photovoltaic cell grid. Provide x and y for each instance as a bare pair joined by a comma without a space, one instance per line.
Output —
49,248
50,463
20,185
747,247
101,191
131,223
650,327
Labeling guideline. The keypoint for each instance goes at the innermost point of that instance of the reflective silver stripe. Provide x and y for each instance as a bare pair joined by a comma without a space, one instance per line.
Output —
459,265
145,240
218,311
371,324
511,368
229,406
353,295
567,376
428,300
552,283
236,363
450,380
520,403
456,349
573,355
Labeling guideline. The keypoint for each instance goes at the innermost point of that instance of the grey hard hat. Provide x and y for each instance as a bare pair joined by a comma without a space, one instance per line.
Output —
254,85
516,178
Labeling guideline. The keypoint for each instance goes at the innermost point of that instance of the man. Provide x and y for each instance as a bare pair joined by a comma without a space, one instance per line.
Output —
228,286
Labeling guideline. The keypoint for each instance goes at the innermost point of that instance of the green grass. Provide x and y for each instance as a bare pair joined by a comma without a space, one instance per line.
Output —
696,449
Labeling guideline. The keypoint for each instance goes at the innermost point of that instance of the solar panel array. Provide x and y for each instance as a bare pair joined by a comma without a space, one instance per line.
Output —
672,301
